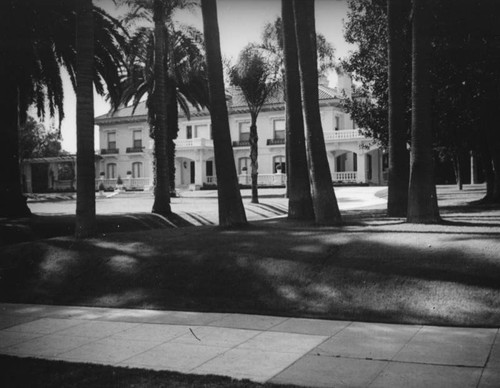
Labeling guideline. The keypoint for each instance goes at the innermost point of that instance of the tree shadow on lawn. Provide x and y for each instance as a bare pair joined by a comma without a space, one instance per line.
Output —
37,227
264,269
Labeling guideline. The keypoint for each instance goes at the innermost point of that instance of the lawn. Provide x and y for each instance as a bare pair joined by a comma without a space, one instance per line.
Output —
373,268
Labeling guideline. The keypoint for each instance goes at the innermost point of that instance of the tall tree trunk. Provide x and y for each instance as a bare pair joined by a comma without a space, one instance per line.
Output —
85,159
300,205
326,210
231,210
422,199
172,131
399,161
457,168
161,203
12,201
254,155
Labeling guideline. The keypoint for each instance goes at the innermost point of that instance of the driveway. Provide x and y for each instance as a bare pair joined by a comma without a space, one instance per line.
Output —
200,207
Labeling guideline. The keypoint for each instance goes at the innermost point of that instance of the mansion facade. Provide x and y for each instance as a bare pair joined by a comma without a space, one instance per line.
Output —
127,150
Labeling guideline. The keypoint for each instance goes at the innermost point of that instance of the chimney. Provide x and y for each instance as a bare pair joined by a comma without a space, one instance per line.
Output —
344,84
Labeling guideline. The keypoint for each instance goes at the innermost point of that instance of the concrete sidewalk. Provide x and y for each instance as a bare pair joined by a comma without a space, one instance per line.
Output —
261,348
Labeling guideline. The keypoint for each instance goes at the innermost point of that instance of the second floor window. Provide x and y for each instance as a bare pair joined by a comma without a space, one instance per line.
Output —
189,132
111,140
337,123
137,139
244,128
279,128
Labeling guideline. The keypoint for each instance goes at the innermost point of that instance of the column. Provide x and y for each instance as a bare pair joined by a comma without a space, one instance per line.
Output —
473,177
361,175
200,174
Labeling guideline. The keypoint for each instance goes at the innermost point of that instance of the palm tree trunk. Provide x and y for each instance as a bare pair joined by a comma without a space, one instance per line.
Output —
300,205
231,210
326,210
254,154
85,159
173,129
161,203
12,201
399,161
422,199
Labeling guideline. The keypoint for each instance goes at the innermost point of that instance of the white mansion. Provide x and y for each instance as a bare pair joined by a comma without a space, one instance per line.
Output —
126,152
126,148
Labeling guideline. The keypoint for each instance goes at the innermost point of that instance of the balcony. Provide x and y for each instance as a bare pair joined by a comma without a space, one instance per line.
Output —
109,151
198,142
241,143
131,150
275,141
343,135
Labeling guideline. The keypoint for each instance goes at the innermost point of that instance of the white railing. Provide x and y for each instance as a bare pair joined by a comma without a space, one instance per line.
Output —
345,134
263,179
345,176
191,143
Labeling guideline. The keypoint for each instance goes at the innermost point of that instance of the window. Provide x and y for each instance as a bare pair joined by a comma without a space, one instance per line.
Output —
111,140
279,164
210,167
189,132
337,123
244,165
136,170
370,167
111,171
202,131
279,127
244,131
137,138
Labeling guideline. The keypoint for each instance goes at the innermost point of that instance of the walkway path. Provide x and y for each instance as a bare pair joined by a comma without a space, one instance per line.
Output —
261,348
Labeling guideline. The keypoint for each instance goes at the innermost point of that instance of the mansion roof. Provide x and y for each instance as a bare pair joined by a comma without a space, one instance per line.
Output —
236,105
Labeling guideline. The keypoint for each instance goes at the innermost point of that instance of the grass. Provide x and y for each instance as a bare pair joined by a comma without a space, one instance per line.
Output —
373,268
30,372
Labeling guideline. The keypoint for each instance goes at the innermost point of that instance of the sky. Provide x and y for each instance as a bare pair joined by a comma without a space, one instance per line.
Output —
240,22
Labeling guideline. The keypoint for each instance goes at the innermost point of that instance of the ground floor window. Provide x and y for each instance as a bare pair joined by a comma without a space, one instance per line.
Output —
243,165
111,170
279,163
136,170
210,168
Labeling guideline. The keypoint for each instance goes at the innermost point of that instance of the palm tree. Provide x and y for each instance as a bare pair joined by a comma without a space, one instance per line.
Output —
397,201
44,36
85,169
299,189
326,210
422,199
186,77
231,210
257,79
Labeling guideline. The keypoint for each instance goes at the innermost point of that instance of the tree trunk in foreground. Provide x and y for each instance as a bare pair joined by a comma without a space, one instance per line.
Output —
254,161
85,159
231,210
161,203
300,205
326,210
399,161
422,199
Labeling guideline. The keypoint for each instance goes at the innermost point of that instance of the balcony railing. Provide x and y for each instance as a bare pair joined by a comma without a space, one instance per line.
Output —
241,143
193,143
131,150
345,176
263,179
275,141
109,151
345,134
